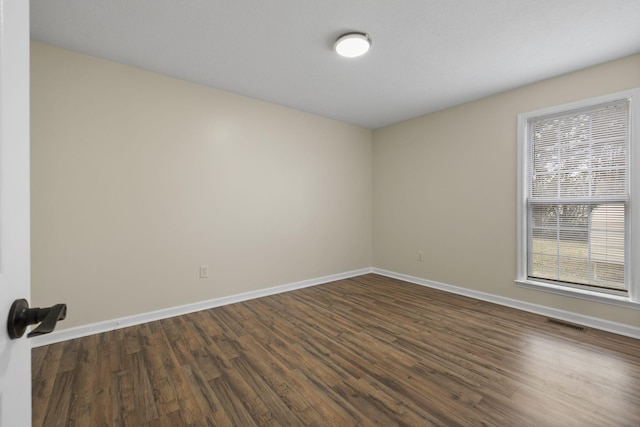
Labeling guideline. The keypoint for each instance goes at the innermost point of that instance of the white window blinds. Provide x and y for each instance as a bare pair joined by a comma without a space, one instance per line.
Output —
578,193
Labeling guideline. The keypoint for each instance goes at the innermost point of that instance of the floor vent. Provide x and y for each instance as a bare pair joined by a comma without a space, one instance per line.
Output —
566,324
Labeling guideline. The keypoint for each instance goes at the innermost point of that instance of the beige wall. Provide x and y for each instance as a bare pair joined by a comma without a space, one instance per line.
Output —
138,179
445,184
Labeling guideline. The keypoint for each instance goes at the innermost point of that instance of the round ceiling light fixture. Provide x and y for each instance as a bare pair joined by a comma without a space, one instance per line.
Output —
351,45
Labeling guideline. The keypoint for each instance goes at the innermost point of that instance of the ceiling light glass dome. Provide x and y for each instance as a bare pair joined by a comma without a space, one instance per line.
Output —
352,45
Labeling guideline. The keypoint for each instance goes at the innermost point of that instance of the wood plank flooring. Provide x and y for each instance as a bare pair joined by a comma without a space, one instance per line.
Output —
358,352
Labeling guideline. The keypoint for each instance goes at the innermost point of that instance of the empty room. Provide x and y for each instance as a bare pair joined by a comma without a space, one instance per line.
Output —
320,213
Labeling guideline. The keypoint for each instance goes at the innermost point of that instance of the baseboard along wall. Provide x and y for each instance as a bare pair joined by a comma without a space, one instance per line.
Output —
123,322
137,319
592,322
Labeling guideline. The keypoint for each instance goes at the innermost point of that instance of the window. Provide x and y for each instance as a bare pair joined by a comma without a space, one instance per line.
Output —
576,203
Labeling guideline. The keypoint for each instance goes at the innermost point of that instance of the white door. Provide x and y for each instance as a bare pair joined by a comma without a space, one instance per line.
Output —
15,355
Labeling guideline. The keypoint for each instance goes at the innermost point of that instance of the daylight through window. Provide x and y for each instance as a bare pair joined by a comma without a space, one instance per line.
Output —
576,196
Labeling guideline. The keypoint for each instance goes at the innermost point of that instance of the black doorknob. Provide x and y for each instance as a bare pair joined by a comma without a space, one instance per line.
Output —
21,316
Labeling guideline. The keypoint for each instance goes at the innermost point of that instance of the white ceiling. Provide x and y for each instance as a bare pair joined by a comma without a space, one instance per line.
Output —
426,54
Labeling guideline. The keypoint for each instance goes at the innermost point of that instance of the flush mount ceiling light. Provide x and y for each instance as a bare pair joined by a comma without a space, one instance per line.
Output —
351,45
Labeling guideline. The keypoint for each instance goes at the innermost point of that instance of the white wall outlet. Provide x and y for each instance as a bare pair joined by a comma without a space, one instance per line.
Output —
420,256
204,271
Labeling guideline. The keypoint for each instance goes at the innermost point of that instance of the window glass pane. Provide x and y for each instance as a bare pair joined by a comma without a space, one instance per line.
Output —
612,154
545,184
544,215
607,182
574,270
577,248
608,275
578,193
582,243
543,266
573,216
607,237
582,154
575,184
541,244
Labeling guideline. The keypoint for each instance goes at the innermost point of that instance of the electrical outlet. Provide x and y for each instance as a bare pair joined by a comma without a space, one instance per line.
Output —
420,256
204,271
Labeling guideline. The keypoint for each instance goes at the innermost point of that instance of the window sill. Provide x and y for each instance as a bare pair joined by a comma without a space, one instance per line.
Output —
617,300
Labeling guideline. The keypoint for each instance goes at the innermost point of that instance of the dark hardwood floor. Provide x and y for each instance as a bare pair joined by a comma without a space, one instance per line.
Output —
357,352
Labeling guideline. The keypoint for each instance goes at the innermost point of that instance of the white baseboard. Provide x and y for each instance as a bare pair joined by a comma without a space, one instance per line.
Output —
592,322
123,322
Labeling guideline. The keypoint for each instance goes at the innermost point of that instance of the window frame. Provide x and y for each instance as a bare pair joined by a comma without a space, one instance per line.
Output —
632,297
